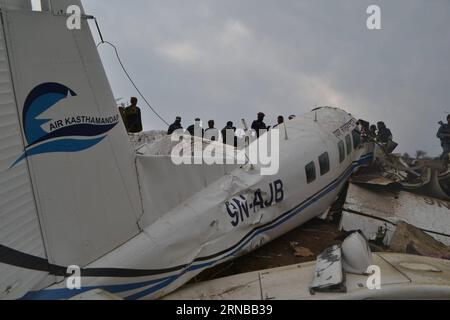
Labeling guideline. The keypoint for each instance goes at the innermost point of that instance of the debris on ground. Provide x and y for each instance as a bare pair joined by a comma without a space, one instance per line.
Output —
300,251
409,239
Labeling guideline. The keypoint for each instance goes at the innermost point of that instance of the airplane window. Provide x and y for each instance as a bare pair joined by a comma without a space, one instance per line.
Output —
348,142
356,139
341,147
324,162
310,172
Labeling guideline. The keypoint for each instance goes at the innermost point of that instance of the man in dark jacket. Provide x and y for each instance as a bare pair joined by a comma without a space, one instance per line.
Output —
196,129
228,134
444,135
175,126
132,117
259,125
384,134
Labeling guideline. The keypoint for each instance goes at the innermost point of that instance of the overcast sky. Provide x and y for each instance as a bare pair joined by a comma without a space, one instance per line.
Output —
229,59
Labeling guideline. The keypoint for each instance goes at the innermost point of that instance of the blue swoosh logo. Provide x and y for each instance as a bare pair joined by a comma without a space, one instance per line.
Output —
39,100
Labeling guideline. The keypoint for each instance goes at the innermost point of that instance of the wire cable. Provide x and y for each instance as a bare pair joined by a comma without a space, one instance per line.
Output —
127,73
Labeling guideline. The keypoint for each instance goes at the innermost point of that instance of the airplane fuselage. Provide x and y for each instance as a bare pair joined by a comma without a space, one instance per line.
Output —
238,213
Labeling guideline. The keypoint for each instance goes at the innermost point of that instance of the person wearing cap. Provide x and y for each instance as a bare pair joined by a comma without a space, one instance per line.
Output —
196,129
259,125
211,133
132,117
229,134
292,117
175,126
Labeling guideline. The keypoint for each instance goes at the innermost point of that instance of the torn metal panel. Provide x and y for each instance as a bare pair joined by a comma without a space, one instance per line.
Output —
328,274
376,182
374,229
371,179
409,239
430,176
438,186
368,211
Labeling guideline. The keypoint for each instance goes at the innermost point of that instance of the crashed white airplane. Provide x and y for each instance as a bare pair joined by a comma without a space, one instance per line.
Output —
73,192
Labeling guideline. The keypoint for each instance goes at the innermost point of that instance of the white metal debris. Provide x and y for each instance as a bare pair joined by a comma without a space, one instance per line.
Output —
328,274
356,254
376,214
403,277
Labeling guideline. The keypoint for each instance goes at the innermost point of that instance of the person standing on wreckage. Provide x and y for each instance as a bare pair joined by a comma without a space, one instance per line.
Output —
211,133
229,134
132,117
258,125
175,126
444,135
196,129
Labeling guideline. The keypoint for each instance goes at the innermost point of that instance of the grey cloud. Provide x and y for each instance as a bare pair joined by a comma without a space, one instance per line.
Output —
228,59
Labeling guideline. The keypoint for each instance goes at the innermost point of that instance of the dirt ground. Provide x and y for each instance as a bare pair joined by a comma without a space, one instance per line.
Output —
316,235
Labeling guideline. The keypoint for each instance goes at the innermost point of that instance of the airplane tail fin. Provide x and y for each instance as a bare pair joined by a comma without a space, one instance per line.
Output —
68,184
